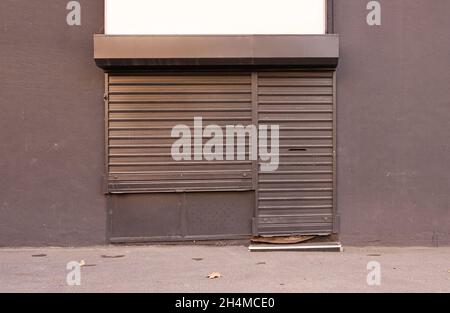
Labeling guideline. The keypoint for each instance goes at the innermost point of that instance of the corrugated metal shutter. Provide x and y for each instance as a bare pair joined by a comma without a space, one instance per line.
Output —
299,196
141,111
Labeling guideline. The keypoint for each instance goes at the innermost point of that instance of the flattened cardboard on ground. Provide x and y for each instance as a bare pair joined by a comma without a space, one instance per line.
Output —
281,239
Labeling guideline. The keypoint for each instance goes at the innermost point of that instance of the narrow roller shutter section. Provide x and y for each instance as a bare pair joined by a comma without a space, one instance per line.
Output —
143,109
298,197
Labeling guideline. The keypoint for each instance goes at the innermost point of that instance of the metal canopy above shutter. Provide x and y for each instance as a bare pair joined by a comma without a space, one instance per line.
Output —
116,52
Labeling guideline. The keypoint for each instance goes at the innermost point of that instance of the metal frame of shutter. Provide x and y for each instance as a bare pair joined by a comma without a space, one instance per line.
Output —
141,111
300,197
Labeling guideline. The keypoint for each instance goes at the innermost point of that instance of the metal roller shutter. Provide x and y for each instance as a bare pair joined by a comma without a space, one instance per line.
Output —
141,111
299,196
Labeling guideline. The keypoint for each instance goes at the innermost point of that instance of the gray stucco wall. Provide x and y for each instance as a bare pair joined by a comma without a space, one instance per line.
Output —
393,120
393,124
51,138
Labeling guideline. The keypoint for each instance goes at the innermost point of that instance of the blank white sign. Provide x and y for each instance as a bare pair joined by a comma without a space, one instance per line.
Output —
214,17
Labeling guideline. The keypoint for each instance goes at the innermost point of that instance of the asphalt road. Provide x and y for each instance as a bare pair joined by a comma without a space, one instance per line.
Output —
184,269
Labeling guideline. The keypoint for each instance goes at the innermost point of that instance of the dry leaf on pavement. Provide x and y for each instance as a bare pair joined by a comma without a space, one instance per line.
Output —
214,275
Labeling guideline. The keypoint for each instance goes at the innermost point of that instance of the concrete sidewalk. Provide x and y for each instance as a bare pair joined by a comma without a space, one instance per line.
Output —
184,269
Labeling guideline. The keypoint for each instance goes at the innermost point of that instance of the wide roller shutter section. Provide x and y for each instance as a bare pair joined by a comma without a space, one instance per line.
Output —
297,198
141,113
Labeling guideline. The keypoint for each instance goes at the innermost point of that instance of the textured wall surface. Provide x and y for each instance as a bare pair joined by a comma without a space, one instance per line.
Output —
393,124
393,120
51,138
